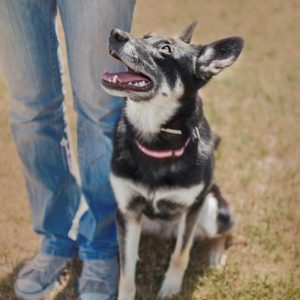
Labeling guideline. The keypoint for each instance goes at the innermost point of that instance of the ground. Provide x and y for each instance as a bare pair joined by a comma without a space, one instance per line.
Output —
255,107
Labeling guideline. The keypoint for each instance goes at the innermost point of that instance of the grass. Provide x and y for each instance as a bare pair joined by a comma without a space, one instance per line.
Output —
255,107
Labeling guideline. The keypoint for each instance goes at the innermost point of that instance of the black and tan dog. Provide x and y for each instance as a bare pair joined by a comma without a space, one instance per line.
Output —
162,164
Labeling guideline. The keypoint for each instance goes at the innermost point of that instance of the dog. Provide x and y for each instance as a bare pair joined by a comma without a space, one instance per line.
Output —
163,153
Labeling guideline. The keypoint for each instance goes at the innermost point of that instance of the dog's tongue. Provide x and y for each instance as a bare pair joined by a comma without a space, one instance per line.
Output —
123,77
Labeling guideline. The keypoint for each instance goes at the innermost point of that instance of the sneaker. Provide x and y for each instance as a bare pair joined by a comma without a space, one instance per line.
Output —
99,280
38,276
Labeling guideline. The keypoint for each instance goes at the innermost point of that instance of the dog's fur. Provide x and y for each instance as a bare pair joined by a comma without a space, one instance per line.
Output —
175,196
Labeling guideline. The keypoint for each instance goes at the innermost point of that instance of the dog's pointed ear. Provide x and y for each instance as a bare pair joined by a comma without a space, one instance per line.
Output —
215,57
187,33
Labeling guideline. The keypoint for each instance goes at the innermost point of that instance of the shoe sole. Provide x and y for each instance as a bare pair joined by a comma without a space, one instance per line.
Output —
35,296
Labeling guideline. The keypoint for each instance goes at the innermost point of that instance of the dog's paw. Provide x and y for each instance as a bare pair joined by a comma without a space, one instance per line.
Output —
126,291
170,288
217,259
130,296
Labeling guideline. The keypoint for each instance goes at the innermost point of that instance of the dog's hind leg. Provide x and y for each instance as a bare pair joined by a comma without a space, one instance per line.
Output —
215,222
217,257
180,257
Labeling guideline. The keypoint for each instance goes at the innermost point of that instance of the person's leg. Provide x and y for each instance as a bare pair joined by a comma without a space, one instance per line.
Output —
29,62
87,25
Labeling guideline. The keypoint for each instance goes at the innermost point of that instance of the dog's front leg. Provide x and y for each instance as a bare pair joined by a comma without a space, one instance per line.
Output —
129,231
180,257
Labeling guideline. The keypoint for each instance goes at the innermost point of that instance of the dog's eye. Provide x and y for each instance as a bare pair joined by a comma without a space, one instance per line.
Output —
165,49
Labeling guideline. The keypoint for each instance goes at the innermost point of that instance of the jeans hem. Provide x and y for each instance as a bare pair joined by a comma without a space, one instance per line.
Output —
58,252
93,255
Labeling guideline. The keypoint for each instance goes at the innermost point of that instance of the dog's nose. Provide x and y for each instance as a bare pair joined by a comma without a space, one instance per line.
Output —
119,36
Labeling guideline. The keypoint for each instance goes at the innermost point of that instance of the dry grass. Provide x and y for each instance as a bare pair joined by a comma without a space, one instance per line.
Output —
255,108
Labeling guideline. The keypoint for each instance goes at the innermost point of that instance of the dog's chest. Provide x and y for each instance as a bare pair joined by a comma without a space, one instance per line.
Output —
166,204
164,209
161,202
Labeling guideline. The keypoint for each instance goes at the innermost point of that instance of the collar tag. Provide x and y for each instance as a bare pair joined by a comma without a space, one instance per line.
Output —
169,130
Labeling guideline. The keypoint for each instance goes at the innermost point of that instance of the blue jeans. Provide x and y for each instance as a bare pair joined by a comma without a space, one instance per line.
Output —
73,210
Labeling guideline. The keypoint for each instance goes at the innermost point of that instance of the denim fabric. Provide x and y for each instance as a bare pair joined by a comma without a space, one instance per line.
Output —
62,201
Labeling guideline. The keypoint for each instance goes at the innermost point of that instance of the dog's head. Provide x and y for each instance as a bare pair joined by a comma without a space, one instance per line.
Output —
157,65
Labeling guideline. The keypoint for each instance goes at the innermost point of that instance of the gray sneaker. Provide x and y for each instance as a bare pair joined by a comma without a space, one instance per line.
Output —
38,276
99,280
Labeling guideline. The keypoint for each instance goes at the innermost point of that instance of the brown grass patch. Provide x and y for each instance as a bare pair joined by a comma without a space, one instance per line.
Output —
255,107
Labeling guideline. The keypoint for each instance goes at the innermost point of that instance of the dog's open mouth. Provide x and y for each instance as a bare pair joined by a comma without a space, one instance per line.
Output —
130,80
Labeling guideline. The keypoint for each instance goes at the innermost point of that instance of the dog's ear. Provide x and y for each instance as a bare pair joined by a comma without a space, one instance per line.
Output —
215,57
148,35
187,33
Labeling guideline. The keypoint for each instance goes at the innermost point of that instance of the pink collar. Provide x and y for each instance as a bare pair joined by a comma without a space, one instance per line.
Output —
163,154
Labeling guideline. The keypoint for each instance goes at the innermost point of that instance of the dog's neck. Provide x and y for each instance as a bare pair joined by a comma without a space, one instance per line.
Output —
160,115
148,117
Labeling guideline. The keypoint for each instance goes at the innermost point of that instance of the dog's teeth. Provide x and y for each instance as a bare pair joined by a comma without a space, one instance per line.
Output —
115,79
137,83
